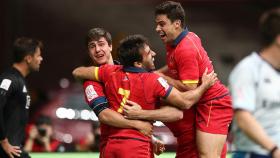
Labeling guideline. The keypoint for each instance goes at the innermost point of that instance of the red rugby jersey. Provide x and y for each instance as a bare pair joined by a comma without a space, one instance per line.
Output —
94,95
134,84
187,60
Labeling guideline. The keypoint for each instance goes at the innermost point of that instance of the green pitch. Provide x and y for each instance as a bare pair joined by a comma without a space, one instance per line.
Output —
89,155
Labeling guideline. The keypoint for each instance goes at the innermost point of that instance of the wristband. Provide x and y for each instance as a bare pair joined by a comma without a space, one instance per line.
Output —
272,151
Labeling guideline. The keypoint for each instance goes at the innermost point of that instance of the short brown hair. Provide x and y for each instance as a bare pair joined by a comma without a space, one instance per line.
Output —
270,26
129,49
24,46
173,11
95,34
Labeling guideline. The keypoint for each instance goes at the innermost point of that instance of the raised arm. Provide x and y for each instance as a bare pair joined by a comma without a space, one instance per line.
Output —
86,73
186,99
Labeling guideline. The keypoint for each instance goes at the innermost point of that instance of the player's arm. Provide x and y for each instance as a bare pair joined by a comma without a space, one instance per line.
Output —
5,89
162,70
178,99
179,84
86,73
186,59
115,119
163,114
175,83
184,100
97,101
249,125
3,99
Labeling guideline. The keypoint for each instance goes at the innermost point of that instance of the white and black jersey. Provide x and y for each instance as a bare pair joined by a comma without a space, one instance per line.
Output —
14,107
255,87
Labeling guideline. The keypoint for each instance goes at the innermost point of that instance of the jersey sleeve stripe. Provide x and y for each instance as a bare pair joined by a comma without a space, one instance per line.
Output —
96,73
189,81
168,92
97,101
98,105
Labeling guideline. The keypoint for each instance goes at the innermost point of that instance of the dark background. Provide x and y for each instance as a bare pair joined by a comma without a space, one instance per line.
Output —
228,29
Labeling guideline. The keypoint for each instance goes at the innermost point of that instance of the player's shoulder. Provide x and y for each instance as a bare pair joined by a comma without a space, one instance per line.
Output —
249,62
110,67
90,82
153,78
150,75
8,78
190,42
248,66
10,74
192,35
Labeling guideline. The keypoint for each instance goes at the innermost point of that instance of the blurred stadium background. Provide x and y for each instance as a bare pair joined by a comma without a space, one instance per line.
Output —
227,29
91,155
83,155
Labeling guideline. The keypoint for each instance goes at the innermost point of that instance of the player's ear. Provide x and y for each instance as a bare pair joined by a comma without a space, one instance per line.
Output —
177,23
137,64
111,47
277,40
28,59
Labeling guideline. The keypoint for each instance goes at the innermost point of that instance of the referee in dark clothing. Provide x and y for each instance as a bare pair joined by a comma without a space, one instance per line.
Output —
14,98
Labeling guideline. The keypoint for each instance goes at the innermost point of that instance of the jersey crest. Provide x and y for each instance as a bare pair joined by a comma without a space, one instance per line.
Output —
163,83
90,93
5,84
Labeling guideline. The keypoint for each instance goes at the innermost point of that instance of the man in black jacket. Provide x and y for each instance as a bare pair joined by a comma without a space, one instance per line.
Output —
14,97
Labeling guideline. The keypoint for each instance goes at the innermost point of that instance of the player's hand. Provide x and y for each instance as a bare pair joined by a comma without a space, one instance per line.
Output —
276,154
132,110
209,80
10,150
158,146
144,127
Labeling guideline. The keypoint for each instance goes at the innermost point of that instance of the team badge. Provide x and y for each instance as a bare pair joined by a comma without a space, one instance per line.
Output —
5,84
163,83
90,93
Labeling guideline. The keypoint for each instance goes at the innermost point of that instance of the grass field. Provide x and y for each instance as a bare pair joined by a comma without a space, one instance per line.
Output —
89,155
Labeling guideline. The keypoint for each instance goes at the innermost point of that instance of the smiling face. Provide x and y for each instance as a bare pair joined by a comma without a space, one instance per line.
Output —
100,51
148,57
167,30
